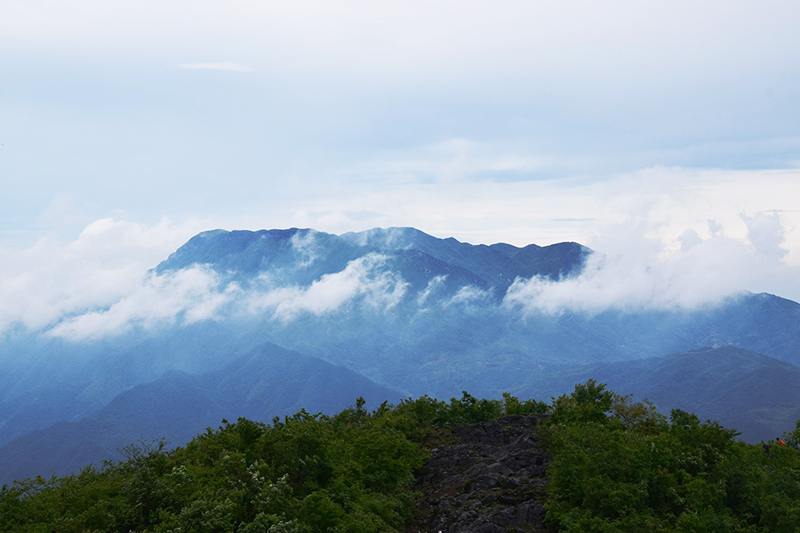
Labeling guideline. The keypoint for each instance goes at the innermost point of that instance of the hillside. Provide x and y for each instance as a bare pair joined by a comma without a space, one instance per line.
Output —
757,395
269,381
589,461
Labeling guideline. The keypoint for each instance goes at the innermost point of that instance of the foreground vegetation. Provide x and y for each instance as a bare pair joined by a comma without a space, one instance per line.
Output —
620,466
617,466
307,473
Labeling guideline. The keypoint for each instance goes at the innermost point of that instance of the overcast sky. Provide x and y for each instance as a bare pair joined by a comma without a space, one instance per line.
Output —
609,123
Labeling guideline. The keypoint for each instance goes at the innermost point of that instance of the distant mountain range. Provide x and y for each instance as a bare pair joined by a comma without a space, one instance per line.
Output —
299,318
269,381
302,256
757,395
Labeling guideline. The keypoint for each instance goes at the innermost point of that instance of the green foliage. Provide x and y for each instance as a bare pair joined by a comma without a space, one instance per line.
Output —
589,402
617,466
792,438
306,473
620,466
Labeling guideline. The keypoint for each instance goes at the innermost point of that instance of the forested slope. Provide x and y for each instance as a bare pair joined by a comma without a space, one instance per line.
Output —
612,465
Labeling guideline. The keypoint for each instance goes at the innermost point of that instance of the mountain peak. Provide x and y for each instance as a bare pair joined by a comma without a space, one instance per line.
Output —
310,254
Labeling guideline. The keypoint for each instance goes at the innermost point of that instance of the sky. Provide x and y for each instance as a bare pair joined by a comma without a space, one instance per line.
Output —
665,135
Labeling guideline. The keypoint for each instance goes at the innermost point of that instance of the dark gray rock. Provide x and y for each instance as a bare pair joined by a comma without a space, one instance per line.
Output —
490,478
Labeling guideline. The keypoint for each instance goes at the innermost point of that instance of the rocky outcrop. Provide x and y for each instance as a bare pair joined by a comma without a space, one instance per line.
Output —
486,478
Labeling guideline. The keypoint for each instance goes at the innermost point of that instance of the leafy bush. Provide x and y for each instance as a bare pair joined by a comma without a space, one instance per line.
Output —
621,466
617,466
305,473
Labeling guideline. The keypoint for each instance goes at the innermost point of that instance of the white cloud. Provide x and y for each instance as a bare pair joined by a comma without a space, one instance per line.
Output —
359,98
50,280
424,39
435,283
457,160
766,234
230,67
394,238
100,284
305,244
185,296
546,211
637,272
469,295
362,279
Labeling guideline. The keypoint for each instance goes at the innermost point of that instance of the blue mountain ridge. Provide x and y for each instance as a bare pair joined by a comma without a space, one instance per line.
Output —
414,254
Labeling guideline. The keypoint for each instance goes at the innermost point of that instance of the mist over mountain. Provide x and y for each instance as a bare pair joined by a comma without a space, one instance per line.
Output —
266,382
303,256
384,314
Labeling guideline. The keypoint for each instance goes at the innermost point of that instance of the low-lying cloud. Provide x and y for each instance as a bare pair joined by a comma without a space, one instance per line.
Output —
638,273
102,284
362,280
436,283
183,297
199,293
43,284
469,295
224,66
305,244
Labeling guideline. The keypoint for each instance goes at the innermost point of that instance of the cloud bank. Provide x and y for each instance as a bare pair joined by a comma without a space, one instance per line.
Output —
101,284
638,273
224,66
184,297
108,262
362,280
